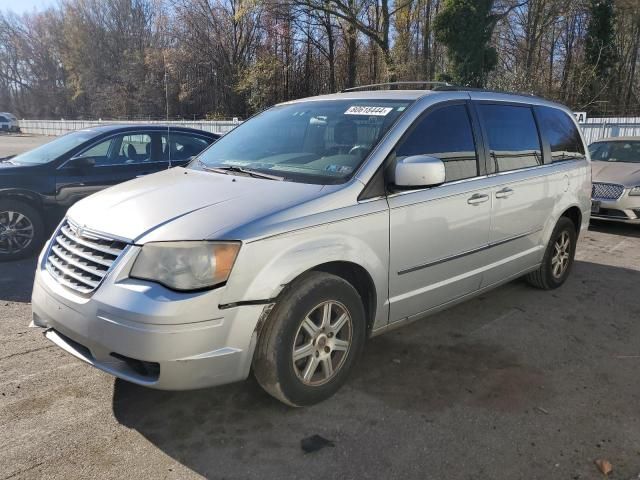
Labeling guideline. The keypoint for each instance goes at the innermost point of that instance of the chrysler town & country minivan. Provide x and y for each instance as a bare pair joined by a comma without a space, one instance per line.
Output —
309,228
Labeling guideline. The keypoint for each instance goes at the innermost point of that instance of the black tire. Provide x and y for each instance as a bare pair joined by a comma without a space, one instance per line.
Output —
33,217
544,278
273,362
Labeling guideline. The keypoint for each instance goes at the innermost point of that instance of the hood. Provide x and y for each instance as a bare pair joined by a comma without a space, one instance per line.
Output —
7,166
11,169
627,174
182,204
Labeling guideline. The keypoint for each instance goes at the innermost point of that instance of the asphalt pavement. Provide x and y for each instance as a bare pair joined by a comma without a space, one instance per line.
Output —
14,143
516,384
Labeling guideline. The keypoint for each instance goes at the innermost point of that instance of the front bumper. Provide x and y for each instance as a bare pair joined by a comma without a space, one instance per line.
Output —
146,334
626,209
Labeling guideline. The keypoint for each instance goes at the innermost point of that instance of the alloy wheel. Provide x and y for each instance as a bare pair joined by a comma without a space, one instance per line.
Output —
16,232
561,255
322,343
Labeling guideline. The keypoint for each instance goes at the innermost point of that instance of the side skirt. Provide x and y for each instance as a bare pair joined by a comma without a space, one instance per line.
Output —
444,306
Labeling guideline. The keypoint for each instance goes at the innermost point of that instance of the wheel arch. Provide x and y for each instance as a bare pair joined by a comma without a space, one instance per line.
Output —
359,278
574,214
25,196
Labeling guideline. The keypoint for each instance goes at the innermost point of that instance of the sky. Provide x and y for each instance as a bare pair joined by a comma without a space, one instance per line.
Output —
22,6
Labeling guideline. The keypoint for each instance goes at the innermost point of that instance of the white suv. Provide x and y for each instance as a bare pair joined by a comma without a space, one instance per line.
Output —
8,122
311,227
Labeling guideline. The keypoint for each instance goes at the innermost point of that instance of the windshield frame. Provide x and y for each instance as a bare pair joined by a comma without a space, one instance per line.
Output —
308,178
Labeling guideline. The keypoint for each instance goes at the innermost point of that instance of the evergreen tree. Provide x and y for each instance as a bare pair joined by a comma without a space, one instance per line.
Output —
600,50
465,28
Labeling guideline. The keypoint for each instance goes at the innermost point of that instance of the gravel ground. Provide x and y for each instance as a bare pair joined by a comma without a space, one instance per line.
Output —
516,384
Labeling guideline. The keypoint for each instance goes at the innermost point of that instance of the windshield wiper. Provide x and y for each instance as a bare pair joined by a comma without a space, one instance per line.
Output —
235,169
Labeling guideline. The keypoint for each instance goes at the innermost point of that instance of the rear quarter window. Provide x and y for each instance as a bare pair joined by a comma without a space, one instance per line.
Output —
561,133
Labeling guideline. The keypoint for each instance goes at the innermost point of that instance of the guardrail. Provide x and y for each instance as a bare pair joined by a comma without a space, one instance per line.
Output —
60,127
593,129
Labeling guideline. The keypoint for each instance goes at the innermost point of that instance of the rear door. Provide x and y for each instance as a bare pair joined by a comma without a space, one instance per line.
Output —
522,195
438,234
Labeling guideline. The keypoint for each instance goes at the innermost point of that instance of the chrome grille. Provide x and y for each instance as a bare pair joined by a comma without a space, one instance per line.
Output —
80,260
607,191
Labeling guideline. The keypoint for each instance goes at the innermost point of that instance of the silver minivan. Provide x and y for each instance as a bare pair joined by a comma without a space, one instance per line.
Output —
311,227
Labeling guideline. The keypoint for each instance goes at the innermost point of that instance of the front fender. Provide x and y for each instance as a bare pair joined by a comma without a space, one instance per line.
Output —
266,266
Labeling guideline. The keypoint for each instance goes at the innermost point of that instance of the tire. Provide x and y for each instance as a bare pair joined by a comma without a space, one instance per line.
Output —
17,221
307,298
549,276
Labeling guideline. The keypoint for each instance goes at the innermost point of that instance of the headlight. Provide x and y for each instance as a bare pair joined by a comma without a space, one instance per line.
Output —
186,266
635,191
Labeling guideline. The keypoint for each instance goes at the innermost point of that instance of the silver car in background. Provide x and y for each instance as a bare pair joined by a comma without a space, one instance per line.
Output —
616,179
311,227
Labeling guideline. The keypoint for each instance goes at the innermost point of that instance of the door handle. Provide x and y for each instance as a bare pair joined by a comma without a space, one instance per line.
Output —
477,198
504,193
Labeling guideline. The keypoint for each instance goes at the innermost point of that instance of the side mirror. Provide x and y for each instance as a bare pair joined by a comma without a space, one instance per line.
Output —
81,162
419,171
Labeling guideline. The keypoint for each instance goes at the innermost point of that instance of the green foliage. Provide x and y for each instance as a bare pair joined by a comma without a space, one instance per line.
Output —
600,58
465,28
258,82
600,50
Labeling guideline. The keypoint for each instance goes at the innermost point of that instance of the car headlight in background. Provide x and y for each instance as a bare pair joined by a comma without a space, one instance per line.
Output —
635,191
186,266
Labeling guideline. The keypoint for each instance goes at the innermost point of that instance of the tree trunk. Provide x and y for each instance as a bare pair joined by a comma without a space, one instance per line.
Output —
426,42
352,54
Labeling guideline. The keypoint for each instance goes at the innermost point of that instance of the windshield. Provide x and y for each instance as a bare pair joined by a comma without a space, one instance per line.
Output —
320,142
618,151
52,150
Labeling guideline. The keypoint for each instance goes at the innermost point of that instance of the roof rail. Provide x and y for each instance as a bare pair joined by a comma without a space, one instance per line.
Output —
433,85
427,83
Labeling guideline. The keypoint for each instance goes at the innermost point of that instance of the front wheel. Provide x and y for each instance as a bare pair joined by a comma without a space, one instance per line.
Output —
21,230
558,257
311,340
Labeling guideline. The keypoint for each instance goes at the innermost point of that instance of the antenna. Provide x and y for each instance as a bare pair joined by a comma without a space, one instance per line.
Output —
166,102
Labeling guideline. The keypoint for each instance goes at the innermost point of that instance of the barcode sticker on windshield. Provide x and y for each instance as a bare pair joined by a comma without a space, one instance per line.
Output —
365,110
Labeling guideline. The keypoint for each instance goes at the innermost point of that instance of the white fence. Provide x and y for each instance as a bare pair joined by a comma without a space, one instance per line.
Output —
593,129
596,128
60,127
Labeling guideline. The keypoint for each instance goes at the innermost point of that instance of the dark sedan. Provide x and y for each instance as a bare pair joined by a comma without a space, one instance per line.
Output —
38,186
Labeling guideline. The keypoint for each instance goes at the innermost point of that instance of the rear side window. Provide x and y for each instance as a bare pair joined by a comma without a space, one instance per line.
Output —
3,119
446,134
183,146
513,136
561,133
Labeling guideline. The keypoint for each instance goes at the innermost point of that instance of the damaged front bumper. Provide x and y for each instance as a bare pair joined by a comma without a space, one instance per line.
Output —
146,334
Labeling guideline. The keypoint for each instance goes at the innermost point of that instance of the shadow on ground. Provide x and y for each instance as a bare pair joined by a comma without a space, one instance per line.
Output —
16,280
614,228
469,359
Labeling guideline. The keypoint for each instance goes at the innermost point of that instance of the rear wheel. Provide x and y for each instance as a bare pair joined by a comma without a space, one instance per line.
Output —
21,230
558,257
311,340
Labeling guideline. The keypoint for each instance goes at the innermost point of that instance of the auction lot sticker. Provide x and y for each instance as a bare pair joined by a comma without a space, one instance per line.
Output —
366,110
